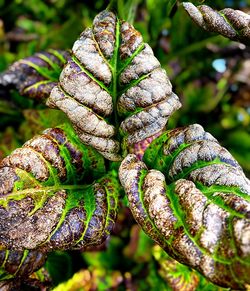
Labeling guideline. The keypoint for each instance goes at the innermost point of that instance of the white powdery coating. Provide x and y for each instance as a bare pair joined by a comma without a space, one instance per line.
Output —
241,229
86,52
50,151
107,147
35,229
186,135
187,250
194,13
104,26
129,173
111,156
155,88
77,84
158,204
84,118
100,144
131,40
208,267
144,63
29,161
212,20
201,151
221,174
149,121
239,20
129,169
214,224
7,179
192,202
235,202
216,22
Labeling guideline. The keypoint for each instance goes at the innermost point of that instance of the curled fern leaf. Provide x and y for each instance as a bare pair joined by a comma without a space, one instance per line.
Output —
113,88
37,75
196,205
46,199
228,22
20,263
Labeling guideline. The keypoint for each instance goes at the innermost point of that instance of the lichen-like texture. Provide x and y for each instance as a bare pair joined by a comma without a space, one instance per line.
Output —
37,75
113,89
20,263
194,202
48,199
234,24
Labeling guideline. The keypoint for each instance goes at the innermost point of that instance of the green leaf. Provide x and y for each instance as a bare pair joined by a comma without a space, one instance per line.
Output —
48,196
113,89
194,202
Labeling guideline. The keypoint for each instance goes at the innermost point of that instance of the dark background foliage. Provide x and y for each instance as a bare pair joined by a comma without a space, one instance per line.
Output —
209,73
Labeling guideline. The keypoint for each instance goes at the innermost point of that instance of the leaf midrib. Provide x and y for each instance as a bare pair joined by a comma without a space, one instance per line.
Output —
46,189
114,68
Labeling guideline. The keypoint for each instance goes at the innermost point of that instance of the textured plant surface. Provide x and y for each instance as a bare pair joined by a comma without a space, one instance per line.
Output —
234,24
46,203
202,218
35,76
20,263
42,178
60,194
115,83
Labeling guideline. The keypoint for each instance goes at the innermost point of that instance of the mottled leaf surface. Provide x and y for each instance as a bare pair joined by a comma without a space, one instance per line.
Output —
47,201
20,263
37,75
178,276
194,202
113,89
233,24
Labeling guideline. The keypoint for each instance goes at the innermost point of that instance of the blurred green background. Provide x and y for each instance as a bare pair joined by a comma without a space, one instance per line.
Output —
209,73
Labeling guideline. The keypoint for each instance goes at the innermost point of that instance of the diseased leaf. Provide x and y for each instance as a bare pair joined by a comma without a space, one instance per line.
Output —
233,24
113,89
20,263
35,76
179,276
46,199
194,203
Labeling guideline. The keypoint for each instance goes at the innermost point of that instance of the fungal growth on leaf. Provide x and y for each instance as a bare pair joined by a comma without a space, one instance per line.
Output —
113,89
37,75
194,202
20,263
233,24
176,275
47,201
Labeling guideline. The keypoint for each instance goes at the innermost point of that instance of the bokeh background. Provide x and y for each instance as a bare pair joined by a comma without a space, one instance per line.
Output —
209,73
